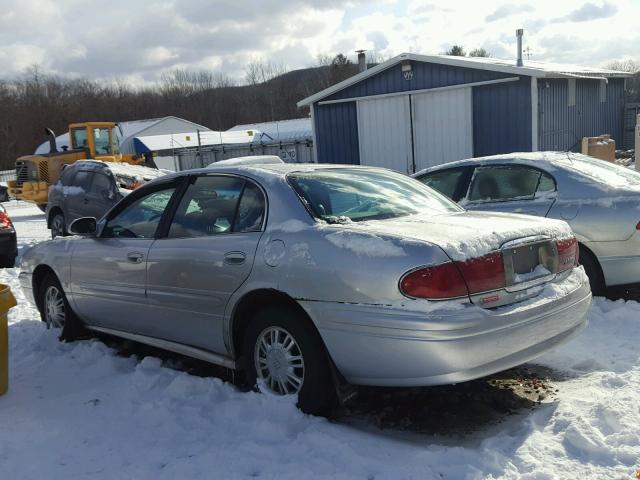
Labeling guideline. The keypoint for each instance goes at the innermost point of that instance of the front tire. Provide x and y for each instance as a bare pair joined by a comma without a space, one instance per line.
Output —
58,226
55,310
286,356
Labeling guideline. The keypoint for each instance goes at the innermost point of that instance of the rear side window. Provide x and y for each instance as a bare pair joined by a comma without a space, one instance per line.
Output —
502,183
82,179
208,207
250,214
66,177
101,183
445,182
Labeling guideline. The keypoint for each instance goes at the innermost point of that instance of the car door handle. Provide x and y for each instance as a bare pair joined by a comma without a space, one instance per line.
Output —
234,258
85,200
135,257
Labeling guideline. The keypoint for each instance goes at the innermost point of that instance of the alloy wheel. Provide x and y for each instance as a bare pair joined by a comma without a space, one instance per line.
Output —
279,361
57,226
54,307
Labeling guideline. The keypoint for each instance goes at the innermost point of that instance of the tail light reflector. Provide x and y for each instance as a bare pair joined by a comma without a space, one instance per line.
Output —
567,253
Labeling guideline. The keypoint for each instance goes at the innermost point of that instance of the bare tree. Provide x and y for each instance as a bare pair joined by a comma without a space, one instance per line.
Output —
632,85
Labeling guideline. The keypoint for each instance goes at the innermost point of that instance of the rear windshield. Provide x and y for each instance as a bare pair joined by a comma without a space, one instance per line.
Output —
336,195
602,171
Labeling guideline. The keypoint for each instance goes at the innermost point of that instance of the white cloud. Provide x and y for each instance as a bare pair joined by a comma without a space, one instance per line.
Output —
138,40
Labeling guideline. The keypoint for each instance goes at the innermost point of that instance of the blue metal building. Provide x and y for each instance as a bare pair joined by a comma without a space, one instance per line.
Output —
414,111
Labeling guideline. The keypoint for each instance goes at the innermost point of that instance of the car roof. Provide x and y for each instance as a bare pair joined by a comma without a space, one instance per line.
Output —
270,171
559,159
575,171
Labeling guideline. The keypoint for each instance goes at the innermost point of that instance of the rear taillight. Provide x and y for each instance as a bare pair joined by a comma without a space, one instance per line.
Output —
484,273
567,253
455,279
437,282
5,221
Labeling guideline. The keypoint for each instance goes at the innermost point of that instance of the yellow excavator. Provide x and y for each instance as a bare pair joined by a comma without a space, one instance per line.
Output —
89,140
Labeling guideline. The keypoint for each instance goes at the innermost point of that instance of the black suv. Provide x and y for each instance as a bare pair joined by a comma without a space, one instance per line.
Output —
89,188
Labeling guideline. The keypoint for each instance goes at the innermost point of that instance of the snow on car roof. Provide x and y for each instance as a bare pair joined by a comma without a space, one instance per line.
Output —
249,160
588,169
138,172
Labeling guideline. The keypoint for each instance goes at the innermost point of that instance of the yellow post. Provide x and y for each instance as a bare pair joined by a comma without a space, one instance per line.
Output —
7,300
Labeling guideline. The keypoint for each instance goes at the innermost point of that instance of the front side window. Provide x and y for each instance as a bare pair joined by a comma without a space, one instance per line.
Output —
141,218
102,141
513,182
446,181
339,194
208,207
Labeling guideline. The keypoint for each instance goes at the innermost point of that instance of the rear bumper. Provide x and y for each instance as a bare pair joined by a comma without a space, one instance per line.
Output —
8,244
386,346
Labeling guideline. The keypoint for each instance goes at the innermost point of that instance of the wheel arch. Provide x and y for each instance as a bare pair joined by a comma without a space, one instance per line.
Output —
587,251
38,275
258,299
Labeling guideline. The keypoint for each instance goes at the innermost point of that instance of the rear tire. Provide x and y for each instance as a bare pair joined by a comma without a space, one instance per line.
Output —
55,310
58,226
593,271
285,353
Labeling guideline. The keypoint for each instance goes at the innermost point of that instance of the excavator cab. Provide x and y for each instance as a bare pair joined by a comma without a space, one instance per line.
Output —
98,138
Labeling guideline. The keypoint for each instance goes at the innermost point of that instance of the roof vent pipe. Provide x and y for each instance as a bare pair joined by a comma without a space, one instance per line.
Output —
519,33
362,61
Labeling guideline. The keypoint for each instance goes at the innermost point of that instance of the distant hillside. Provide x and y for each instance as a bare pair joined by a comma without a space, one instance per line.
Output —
28,105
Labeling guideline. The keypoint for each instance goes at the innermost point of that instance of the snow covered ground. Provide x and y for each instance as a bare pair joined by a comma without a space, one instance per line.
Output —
82,411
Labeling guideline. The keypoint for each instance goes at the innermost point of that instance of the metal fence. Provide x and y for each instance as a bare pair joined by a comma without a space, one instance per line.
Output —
631,111
6,175
290,152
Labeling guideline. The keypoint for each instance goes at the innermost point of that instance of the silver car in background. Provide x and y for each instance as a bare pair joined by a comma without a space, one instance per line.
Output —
599,200
310,275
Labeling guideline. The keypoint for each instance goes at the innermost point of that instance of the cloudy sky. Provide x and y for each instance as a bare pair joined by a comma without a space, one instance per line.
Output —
136,40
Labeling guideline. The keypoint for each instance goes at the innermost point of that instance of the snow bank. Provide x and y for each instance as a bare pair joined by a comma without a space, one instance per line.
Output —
81,411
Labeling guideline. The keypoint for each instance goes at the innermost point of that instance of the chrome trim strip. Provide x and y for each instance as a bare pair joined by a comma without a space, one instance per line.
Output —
171,346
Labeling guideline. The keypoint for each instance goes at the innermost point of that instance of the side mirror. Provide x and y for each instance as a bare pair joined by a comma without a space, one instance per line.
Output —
85,227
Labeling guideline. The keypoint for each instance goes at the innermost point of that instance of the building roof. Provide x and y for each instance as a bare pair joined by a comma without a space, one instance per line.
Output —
530,68
294,129
136,127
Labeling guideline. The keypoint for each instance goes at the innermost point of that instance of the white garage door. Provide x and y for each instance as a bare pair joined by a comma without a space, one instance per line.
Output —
442,126
384,133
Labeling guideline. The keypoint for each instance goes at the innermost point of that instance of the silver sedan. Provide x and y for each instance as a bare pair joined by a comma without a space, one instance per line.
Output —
599,200
306,276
